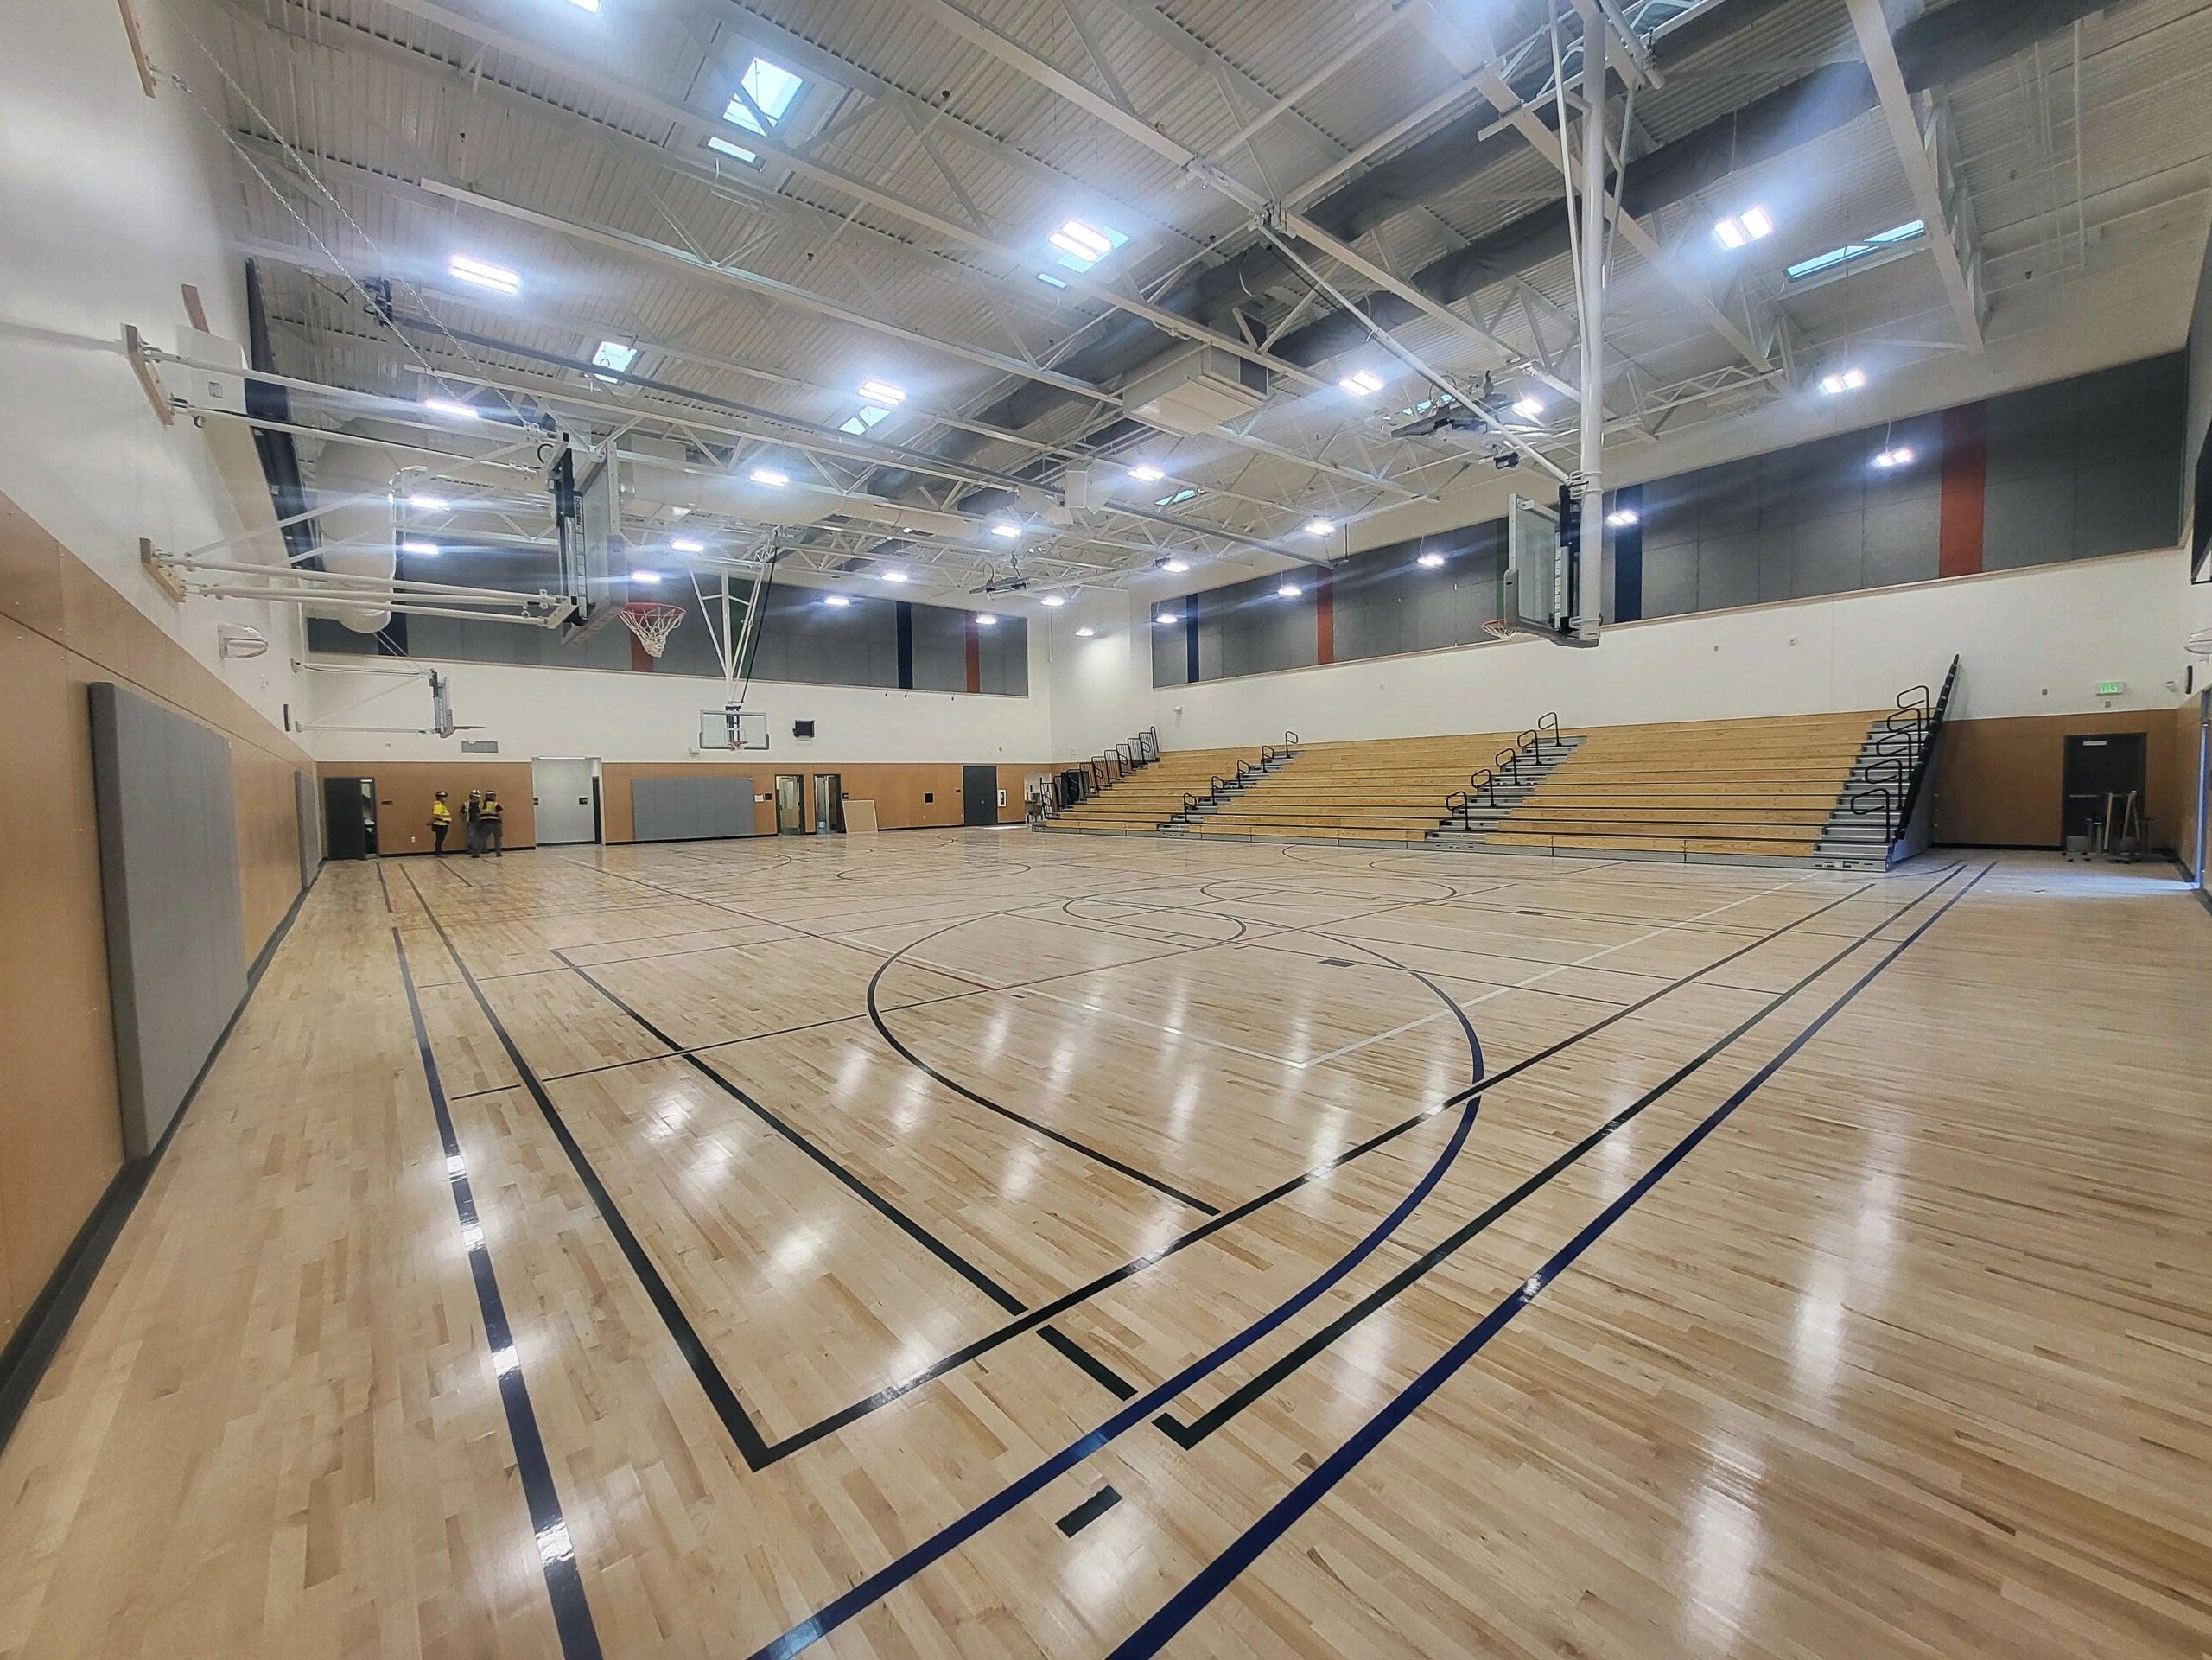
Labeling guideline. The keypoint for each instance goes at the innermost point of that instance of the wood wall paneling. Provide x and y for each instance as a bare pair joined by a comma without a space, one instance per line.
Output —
62,628
1999,781
406,789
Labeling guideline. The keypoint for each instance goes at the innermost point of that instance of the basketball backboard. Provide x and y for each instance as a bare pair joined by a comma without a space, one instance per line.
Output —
1540,590
594,564
731,729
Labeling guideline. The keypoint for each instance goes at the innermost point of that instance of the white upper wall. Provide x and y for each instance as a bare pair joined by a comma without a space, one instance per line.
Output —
112,202
613,715
2038,641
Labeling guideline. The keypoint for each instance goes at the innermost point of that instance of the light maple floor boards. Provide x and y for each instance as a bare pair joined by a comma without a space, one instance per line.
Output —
1823,1270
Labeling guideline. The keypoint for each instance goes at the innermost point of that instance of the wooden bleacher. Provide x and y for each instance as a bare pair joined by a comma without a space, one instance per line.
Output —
1147,798
1384,790
1765,786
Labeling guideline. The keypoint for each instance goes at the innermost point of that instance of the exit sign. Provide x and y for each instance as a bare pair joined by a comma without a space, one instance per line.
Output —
2111,687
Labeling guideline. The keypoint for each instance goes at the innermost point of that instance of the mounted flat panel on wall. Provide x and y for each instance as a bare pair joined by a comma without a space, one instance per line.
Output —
169,885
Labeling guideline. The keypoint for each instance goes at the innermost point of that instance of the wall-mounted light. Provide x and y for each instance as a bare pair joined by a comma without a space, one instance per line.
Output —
1430,561
1622,518
1288,591
1902,455
985,620
1175,567
1055,600
892,575
1086,632
837,599
1167,619
1844,380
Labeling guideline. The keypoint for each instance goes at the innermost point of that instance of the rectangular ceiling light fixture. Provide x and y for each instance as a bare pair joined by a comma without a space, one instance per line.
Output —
882,392
771,477
1082,245
483,274
1362,383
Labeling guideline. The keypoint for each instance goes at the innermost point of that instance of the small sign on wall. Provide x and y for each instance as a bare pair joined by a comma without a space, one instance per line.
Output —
2111,687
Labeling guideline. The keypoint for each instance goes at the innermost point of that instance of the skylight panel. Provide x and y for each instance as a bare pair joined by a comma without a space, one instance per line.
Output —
1880,242
772,88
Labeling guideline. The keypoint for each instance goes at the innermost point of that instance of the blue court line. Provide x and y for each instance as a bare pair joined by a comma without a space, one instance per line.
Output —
565,1586
896,1573
1185,1605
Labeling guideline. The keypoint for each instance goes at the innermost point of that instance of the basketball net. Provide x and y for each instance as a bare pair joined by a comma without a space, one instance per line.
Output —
652,624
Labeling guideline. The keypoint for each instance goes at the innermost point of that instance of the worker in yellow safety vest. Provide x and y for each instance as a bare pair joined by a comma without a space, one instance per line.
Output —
441,822
495,824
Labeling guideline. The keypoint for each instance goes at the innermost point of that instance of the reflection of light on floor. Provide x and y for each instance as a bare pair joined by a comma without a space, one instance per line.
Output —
1021,1174
553,1544
1185,1103
1725,1545
796,1250
855,1067
670,1116
1100,1562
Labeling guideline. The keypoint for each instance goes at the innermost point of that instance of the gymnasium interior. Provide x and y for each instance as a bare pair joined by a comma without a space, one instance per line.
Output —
1307,828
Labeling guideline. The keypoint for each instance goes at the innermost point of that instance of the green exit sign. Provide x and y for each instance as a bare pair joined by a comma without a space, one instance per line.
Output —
2111,687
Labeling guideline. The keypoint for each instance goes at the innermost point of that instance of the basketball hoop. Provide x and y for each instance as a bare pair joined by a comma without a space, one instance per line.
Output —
652,624
1498,628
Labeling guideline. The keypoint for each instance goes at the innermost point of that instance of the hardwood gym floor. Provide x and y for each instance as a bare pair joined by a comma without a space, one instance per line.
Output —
994,1243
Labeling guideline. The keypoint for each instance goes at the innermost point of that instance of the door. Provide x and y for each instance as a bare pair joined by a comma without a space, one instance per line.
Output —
828,803
566,795
791,817
348,817
2099,765
979,795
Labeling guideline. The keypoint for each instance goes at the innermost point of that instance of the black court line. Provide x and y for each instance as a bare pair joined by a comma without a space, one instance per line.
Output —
1185,1605
1187,1434
846,1417
1089,1511
899,1047
1018,1492
565,1586
857,1599
752,1445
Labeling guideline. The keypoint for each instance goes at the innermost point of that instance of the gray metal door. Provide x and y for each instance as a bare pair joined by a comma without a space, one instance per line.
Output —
566,795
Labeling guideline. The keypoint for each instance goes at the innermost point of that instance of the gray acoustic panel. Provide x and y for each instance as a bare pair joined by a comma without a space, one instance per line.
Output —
169,884
691,809
307,807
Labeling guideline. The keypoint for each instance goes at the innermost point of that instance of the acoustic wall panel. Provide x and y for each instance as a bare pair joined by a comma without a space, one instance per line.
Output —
691,809
170,886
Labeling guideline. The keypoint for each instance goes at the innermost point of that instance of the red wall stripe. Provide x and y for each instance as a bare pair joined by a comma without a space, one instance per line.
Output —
1966,477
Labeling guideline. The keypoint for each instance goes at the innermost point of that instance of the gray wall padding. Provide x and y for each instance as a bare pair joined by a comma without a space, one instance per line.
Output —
307,805
169,882
690,809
